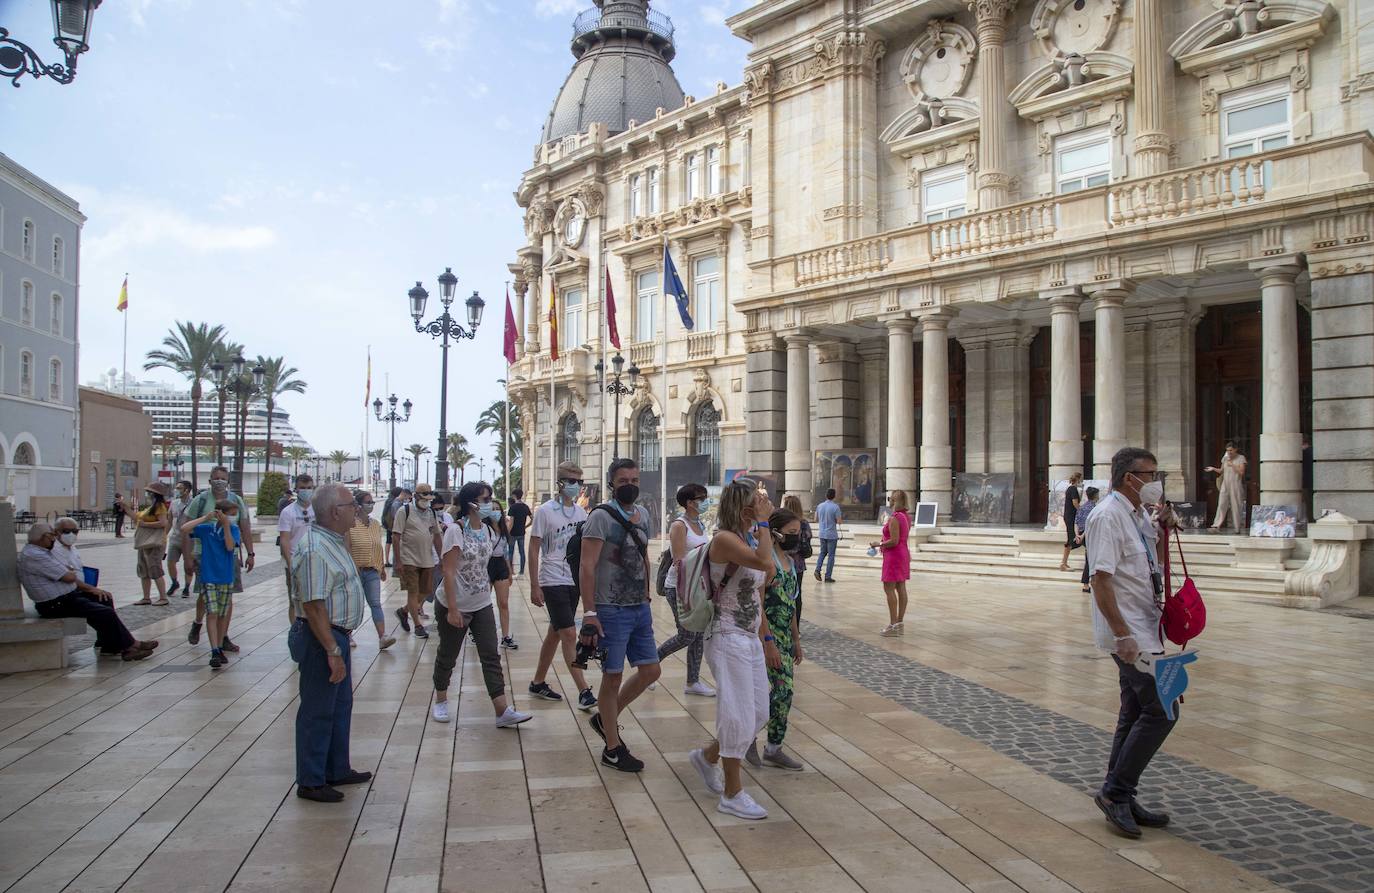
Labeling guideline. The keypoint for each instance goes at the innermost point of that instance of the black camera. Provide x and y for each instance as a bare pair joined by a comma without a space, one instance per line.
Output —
586,652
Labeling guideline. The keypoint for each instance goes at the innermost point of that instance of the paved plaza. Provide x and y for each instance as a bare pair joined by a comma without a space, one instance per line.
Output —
960,757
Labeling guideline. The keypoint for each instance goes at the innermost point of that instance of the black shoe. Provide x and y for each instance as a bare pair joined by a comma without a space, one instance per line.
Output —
818,576
830,579
229,646
322,794
1146,818
216,660
404,618
1118,815
420,632
353,777
621,759
586,700
597,727
193,637
171,590
542,690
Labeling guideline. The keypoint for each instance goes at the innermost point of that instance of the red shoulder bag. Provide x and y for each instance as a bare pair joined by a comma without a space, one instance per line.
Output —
1184,616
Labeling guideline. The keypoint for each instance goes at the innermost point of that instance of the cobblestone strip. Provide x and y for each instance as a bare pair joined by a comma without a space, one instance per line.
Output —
1287,842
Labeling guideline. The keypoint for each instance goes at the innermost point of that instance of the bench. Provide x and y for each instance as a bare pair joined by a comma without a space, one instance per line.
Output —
36,643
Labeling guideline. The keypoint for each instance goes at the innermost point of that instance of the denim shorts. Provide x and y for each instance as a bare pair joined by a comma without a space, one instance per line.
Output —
627,633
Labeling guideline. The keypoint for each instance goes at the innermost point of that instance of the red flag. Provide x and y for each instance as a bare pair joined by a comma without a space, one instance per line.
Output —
553,320
610,313
510,330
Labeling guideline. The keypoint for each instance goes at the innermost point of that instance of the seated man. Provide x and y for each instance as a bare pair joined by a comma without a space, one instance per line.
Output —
58,591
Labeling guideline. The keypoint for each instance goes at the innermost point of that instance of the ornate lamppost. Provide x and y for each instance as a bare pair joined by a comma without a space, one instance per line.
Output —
71,21
244,391
391,418
221,385
619,390
444,327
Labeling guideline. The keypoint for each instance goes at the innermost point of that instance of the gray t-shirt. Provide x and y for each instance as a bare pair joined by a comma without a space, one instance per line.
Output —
622,573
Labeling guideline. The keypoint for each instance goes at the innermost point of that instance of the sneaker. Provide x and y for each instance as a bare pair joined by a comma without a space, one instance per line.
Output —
193,637
508,642
542,690
700,689
512,717
653,686
774,756
352,642
386,643
216,659
171,590
404,616
828,580
229,646
751,756
586,700
890,631
420,632
440,711
741,806
710,774
186,593
621,759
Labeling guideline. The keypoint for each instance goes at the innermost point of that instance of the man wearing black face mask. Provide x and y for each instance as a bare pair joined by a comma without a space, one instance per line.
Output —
614,585
1125,554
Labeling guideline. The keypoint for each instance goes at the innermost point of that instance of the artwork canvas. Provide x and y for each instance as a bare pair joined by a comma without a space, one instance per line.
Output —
1191,515
1054,519
1279,521
682,470
769,483
982,498
926,514
851,473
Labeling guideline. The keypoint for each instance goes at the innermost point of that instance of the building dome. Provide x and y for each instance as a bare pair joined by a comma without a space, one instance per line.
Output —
622,71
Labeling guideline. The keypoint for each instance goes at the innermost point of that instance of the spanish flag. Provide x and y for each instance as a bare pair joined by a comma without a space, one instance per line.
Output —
553,320
123,295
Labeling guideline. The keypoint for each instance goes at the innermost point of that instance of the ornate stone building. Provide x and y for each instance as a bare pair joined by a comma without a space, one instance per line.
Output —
986,236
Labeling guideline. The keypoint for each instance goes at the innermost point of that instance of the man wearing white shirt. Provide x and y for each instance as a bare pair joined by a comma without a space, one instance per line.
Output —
292,523
1125,554
64,550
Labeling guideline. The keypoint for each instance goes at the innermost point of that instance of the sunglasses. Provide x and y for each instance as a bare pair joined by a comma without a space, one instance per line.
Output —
577,481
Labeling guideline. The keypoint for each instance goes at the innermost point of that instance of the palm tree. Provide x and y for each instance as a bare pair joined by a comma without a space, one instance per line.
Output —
276,381
225,352
379,456
339,457
417,450
459,455
189,349
297,454
493,421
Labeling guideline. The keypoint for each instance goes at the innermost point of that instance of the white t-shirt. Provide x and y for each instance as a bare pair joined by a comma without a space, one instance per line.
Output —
694,539
1118,537
475,548
69,556
555,524
294,521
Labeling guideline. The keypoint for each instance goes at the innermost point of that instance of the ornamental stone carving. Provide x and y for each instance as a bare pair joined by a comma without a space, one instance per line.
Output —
938,65
1066,28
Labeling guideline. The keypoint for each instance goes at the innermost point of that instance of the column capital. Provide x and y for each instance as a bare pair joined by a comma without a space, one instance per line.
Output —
1107,288
1279,269
937,320
991,17
755,342
1064,299
902,323
872,350
799,337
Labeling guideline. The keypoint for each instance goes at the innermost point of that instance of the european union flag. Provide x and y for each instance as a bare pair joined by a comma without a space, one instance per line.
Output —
672,285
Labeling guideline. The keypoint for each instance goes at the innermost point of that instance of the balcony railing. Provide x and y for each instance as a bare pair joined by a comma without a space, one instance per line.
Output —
593,19
701,345
992,230
1226,184
642,353
869,255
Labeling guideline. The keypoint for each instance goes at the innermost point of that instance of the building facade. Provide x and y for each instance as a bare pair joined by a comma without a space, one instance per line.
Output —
116,449
992,236
40,239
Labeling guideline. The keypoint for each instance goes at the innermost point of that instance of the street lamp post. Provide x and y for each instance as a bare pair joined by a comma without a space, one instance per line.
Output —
391,418
217,369
71,20
619,390
444,327
244,392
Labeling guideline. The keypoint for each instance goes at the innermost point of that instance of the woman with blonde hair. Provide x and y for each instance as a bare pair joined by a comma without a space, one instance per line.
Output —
741,566
896,563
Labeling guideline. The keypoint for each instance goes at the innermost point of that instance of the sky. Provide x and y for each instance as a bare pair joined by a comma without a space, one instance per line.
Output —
290,169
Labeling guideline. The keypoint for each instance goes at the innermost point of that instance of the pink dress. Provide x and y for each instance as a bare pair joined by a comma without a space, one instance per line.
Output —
897,560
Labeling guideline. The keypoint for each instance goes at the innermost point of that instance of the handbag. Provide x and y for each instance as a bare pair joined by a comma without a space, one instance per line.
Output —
149,537
1184,614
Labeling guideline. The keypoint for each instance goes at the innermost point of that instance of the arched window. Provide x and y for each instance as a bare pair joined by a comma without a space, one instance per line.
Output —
570,440
23,454
59,256
55,380
706,436
26,304
25,374
29,238
55,315
646,440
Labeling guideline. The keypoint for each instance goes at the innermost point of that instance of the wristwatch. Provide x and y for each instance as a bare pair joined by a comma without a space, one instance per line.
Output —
336,651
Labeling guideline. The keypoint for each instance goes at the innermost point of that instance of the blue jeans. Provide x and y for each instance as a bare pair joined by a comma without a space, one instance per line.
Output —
372,591
512,543
627,632
827,551
326,709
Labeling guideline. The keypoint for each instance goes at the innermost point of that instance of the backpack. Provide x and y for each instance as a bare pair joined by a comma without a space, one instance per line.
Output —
573,553
665,566
696,591
1184,616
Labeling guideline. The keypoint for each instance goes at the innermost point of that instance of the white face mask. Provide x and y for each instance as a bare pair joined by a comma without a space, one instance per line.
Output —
68,539
1152,493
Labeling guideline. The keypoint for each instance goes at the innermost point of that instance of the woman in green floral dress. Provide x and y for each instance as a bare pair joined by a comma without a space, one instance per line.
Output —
784,652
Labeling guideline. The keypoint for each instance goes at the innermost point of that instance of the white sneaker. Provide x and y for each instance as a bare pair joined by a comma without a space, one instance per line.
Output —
890,631
653,686
742,806
512,717
701,689
710,775
440,711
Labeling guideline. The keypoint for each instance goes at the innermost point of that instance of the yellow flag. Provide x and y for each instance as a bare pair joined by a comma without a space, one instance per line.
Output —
123,296
553,320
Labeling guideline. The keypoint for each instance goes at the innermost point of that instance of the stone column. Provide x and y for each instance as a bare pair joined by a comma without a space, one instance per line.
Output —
521,289
1169,394
1109,367
936,482
873,393
765,373
1153,73
1343,390
1280,431
996,118
1066,392
901,418
977,381
837,396
798,454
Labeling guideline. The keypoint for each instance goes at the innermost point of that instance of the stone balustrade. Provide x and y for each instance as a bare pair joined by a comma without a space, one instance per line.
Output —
701,345
844,261
1196,190
642,353
1008,227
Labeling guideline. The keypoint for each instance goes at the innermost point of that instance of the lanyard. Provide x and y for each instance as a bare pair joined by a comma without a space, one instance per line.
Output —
1135,519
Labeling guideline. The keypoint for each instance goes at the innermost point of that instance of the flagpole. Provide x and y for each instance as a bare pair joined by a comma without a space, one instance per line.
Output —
125,377
663,420
601,381
505,432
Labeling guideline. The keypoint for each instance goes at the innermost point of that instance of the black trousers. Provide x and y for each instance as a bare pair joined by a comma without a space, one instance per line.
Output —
119,522
481,625
111,636
1141,728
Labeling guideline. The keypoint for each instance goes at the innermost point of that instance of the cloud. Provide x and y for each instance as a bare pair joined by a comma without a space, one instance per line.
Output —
713,15
549,8
127,224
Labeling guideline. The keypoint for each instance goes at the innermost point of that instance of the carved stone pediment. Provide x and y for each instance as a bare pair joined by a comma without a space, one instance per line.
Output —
1241,29
936,70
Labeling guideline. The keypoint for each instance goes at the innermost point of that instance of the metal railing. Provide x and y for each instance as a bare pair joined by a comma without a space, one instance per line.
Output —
593,19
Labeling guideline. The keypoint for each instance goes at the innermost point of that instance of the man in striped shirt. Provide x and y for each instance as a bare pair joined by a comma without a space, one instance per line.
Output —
328,598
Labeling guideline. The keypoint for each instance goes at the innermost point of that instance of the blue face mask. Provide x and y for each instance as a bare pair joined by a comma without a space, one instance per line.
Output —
489,511
572,491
